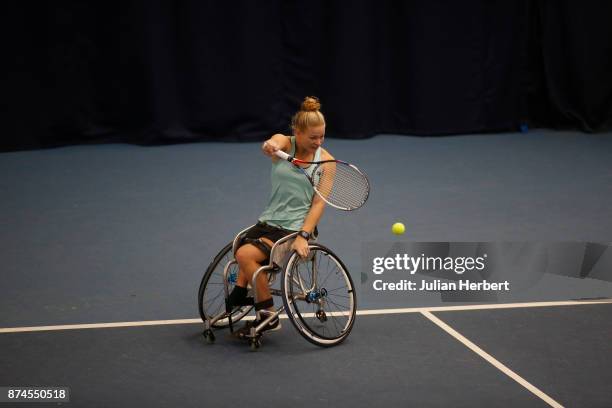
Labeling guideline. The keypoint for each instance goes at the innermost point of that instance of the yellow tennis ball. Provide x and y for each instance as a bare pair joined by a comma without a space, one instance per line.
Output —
398,228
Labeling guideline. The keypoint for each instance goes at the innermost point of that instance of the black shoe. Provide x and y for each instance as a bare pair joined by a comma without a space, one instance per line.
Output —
244,330
273,325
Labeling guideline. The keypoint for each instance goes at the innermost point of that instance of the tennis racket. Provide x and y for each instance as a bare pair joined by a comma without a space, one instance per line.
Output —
340,184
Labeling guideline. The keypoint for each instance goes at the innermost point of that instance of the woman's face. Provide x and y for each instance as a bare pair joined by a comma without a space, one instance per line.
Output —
311,138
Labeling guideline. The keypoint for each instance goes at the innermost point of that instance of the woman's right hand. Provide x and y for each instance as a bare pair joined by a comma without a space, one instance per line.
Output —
269,147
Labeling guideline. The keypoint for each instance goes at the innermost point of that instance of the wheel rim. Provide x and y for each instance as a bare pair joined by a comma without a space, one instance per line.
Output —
212,300
322,309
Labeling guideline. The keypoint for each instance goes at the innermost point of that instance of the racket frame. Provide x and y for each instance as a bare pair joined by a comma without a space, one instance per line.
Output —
285,156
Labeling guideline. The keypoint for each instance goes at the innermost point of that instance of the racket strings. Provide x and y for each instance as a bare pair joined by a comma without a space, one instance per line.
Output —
341,185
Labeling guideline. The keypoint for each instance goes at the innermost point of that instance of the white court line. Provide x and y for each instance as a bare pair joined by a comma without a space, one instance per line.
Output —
283,316
484,307
539,393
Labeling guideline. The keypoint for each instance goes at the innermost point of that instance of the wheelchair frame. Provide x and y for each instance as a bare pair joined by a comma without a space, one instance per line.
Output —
281,257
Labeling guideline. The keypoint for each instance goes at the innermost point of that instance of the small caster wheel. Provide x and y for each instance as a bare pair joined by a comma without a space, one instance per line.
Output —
321,315
209,336
254,344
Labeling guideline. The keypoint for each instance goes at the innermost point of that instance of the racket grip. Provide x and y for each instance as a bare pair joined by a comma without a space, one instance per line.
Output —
283,155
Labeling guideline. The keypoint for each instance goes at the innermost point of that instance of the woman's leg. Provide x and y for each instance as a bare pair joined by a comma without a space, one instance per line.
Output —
249,258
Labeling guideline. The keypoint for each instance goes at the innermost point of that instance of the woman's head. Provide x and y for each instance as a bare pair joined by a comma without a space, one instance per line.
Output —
308,124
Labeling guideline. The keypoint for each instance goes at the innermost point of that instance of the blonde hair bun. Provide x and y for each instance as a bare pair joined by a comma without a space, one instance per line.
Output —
309,115
310,104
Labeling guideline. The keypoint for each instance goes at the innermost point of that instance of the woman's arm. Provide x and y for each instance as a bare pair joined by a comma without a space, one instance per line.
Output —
313,217
276,142
310,222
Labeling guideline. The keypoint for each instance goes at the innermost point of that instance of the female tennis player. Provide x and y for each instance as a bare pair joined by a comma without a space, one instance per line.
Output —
292,207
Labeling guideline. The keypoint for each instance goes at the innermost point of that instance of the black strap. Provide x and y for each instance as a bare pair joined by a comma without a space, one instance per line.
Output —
264,304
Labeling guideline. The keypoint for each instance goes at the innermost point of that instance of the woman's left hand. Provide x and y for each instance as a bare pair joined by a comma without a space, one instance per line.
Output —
300,245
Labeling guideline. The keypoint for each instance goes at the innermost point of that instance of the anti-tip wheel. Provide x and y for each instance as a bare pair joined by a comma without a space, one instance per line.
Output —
254,344
209,336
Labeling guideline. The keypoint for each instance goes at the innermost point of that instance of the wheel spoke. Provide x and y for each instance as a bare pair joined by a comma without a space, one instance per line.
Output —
337,303
212,300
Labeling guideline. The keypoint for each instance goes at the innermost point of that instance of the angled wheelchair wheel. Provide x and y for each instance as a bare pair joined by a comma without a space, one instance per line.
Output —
211,295
319,296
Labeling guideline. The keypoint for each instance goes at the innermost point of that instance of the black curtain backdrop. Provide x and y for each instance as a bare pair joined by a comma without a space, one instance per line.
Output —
166,72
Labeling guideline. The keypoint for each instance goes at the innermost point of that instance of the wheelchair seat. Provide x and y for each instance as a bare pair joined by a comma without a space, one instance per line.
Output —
279,251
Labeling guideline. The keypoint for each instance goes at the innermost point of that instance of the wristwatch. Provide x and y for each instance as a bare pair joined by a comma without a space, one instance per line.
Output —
304,235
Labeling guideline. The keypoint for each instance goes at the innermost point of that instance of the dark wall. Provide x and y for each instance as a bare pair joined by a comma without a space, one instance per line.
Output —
164,72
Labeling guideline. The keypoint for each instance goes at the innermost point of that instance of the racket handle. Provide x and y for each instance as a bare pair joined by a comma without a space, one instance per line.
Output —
283,155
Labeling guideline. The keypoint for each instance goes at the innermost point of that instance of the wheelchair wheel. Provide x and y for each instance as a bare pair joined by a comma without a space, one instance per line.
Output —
319,296
211,295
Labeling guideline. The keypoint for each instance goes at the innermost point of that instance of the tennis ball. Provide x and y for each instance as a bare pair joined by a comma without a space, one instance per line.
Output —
398,228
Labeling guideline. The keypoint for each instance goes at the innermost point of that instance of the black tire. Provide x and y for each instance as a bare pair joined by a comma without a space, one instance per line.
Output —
211,295
309,305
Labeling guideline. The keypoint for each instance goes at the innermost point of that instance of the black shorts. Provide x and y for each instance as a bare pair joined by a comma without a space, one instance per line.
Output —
263,230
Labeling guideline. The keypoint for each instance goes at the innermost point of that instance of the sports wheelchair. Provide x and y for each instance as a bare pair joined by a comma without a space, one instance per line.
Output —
317,292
